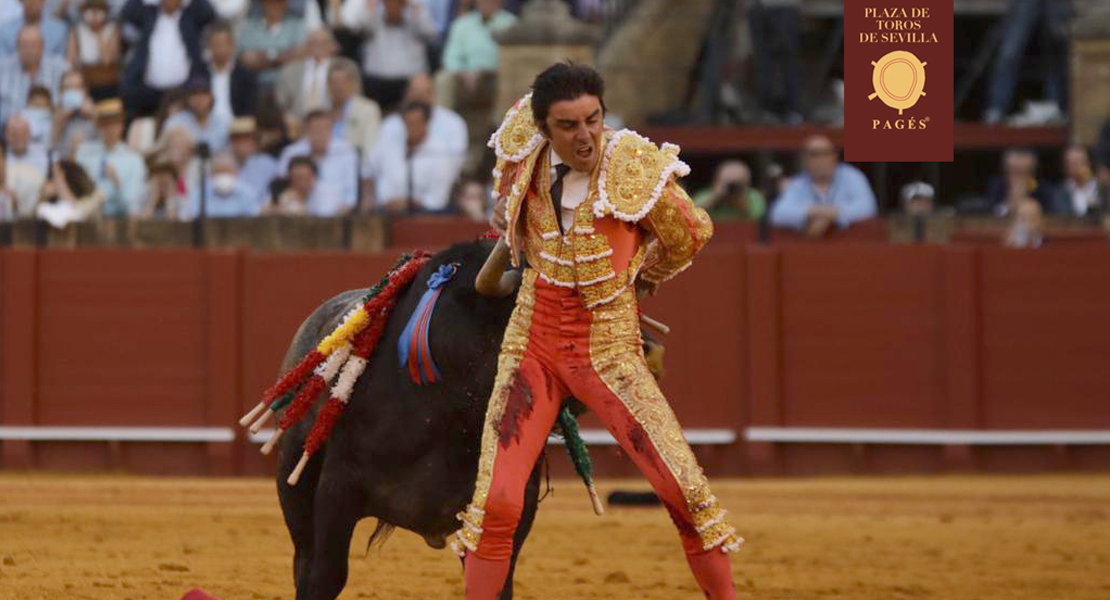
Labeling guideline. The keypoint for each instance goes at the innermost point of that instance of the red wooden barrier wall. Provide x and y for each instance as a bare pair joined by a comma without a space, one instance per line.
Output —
794,335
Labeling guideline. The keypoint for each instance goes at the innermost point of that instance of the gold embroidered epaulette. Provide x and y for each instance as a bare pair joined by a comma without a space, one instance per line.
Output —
634,172
515,143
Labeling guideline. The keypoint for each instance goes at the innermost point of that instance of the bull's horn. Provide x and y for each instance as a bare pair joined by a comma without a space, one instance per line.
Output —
493,280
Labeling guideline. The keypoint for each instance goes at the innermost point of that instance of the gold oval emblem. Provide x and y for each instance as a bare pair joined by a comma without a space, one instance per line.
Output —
898,79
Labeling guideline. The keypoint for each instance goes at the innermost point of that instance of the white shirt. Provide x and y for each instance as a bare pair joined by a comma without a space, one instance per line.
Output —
168,63
315,86
1082,197
428,173
576,186
221,93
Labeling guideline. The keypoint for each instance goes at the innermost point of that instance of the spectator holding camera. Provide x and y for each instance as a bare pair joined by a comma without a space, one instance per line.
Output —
732,195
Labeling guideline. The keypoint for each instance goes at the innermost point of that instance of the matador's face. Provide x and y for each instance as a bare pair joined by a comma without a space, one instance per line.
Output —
574,128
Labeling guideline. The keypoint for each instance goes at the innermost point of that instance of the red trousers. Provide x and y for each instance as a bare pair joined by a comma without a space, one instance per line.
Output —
564,341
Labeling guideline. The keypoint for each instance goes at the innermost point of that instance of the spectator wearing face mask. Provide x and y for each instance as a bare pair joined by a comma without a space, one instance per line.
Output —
94,48
74,116
257,169
117,170
17,134
227,196
53,29
30,67
40,116
20,183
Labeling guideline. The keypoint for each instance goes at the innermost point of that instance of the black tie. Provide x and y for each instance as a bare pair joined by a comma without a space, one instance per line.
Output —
557,193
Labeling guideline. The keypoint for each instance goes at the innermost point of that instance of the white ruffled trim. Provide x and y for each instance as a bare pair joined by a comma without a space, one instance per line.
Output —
583,230
732,546
553,281
605,277
603,206
556,259
549,235
529,146
329,368
711,522
454,545
593,257
352,370
704,504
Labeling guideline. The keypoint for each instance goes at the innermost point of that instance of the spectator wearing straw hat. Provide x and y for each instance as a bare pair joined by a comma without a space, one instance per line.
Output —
257,169
115,168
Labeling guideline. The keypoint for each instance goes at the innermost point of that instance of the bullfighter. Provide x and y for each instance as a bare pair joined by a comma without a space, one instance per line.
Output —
600,220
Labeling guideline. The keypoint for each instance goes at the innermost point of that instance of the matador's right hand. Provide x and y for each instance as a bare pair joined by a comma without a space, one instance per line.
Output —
498,220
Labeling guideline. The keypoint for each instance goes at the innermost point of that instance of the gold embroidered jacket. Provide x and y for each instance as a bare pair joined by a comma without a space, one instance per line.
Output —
636,220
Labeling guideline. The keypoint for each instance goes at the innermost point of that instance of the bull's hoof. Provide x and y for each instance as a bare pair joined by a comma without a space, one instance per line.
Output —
439,542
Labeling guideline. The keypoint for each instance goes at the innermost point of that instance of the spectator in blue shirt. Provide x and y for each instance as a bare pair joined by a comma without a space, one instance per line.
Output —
828,192
55,34
256,169
228,196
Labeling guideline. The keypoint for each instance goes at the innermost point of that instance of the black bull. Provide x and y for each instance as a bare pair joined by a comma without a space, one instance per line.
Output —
403,453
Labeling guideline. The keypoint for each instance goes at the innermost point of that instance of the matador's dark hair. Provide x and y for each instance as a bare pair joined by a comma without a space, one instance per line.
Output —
564,81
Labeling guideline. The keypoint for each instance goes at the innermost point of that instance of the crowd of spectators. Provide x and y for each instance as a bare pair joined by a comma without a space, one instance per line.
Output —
828,194
233,108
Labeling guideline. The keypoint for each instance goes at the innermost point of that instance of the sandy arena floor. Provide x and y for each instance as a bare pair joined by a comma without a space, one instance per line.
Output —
947,538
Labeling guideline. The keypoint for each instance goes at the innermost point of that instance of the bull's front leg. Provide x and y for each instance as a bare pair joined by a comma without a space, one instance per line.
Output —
527,516
338,508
